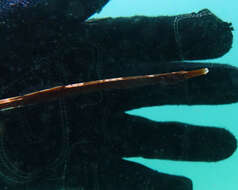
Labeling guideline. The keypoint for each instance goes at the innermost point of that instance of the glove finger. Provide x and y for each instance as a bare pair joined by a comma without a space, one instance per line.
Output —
219,86
202,35
192,36
131,136
106,173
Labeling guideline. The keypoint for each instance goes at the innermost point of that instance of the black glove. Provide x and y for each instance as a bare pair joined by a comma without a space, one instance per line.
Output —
22,10
79,142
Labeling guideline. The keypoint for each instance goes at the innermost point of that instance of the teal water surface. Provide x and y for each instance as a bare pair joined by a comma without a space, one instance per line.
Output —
205,176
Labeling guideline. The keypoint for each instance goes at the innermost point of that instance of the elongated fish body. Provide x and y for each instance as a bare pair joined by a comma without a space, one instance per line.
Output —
94,86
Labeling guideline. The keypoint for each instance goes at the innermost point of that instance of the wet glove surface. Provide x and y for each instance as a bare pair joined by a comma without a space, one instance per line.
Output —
79,142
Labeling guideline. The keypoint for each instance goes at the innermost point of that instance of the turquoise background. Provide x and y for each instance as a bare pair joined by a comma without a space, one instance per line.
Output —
206,176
